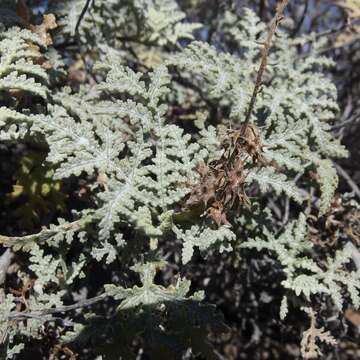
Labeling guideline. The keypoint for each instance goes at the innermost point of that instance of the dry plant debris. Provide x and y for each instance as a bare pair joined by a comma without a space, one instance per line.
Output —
222,182
42,30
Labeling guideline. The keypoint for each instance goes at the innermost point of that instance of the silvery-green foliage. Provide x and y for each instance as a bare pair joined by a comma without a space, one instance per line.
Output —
139,163
50,269
37,303
204,239
293,112
20,74
127,134
150,293
109,251
45,266
53,236
145,161
137,192
31,326
304,274
155,22
164,21
7,328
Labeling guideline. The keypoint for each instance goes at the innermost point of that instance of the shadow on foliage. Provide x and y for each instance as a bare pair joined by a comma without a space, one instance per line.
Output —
163,331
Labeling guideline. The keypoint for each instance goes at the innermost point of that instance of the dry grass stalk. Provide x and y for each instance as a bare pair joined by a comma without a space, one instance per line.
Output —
264,55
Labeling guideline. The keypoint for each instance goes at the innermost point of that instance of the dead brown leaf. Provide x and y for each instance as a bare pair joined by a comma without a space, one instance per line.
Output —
43,30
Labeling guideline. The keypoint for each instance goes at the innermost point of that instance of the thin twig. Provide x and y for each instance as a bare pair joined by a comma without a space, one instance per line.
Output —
40,313
300,23
348,115
351,120
265,52
345,26
82,14
348,179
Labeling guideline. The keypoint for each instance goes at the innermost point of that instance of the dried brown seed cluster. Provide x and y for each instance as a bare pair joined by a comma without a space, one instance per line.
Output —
222,181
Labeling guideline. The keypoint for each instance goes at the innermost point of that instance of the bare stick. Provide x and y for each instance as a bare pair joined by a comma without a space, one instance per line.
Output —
265,52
